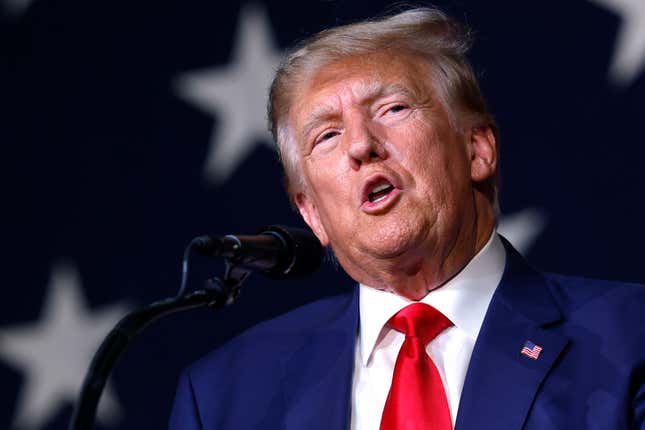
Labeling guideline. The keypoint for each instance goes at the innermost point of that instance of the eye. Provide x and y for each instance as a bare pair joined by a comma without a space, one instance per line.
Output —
326,136
393,112
396,108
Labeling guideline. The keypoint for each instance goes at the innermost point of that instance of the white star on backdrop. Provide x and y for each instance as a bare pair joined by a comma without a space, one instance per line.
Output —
629,54
523,228
236,94
53,354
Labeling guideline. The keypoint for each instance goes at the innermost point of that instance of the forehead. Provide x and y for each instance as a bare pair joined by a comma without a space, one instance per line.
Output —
360,78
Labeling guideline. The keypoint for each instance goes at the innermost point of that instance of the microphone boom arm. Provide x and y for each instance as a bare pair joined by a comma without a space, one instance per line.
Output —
219,293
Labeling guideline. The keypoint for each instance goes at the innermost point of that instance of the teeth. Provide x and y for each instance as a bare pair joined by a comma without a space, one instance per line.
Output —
380,192
381,188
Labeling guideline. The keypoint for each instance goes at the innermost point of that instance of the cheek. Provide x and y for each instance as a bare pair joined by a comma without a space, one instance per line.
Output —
437,168
412,140
329,185
417,152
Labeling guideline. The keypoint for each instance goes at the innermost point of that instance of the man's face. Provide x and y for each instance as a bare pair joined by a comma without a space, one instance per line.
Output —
387,175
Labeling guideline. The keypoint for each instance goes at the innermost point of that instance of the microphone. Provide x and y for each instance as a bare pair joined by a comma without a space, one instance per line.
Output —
278,251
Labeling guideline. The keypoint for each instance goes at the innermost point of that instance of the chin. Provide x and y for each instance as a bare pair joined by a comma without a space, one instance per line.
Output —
395,239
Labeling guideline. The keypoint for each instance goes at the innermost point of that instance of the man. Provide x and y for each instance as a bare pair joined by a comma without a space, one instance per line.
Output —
392,160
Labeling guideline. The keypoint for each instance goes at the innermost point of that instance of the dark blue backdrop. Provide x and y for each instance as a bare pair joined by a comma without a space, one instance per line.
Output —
130,127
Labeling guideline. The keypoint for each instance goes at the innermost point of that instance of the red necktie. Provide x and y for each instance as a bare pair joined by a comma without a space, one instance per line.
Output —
417,400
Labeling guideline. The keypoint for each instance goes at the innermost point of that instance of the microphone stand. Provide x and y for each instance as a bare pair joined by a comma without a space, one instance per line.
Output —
218,293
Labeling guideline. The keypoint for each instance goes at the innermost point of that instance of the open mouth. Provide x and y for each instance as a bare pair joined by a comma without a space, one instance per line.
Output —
380,192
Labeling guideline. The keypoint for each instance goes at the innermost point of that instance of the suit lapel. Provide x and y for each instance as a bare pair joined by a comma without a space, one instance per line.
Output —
318,376
501,383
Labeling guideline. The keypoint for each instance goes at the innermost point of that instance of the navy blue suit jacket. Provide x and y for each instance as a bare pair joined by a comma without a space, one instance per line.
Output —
295,372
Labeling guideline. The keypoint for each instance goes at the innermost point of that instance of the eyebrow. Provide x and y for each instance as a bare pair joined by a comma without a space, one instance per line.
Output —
365,93
317,116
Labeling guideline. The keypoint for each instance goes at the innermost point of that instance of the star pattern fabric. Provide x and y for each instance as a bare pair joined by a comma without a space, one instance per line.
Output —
629,53
53,353
236,95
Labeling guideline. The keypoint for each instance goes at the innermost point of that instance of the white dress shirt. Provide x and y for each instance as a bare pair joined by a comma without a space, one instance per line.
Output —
464,300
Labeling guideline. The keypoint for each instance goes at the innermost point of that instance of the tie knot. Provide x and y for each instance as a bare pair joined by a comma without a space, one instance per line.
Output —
420,320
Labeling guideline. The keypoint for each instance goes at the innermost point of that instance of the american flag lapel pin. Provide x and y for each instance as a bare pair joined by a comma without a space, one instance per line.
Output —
531,350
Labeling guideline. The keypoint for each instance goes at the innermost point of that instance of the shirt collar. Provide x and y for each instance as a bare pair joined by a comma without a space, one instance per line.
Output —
464,299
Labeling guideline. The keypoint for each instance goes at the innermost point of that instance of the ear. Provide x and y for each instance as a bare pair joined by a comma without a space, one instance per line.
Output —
309,213
483,155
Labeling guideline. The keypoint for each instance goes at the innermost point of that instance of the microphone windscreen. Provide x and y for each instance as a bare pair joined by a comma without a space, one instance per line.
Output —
304,252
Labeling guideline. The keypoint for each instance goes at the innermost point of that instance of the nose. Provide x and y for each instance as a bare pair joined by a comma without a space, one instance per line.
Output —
363,144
